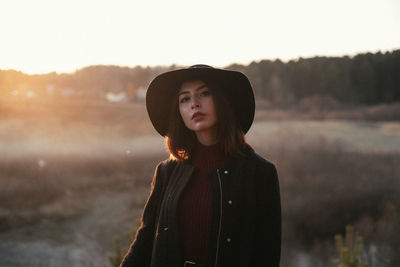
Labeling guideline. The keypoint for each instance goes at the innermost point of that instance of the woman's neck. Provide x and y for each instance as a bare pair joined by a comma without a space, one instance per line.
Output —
207,138
208,157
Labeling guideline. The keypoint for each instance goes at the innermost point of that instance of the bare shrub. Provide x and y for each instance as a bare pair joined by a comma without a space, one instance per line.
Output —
318,102
389,112
325,186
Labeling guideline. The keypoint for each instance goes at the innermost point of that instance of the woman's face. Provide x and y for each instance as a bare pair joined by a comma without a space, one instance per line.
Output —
196,106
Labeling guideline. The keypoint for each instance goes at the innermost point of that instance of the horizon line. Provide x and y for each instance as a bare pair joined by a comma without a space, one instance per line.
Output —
383,51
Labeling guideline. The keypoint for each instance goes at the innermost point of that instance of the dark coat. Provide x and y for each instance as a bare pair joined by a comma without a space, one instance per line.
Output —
245,216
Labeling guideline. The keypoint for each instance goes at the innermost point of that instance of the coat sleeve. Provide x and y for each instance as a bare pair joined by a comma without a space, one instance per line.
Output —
269,221
139,253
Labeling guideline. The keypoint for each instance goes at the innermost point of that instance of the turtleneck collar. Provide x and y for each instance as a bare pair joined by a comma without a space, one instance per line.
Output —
209,157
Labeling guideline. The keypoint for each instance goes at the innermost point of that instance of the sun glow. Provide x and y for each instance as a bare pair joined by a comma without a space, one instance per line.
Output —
44,36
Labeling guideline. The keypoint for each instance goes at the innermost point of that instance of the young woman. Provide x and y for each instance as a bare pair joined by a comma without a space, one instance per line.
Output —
214,202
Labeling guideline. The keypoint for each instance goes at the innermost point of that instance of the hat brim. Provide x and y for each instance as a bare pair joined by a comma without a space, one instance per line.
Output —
234,85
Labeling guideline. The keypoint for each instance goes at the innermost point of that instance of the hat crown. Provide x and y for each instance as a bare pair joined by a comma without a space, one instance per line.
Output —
200,66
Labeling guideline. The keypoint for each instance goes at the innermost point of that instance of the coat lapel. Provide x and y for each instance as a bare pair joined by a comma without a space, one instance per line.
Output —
181,176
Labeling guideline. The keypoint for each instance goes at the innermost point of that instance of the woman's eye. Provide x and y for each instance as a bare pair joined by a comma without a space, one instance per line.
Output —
184,99
205,93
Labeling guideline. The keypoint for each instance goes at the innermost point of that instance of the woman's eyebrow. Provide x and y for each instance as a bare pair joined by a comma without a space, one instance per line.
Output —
198,88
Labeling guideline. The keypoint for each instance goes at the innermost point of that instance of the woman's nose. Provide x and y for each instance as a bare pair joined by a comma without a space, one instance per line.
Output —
195,103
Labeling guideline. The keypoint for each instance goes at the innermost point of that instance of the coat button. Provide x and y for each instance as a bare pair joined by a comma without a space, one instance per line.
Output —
165,229
228,240
226,172
230,202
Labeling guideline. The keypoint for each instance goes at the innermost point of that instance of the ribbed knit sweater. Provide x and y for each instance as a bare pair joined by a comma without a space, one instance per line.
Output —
195,203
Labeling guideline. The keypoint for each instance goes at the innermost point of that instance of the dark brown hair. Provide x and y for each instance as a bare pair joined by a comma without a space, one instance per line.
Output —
180,140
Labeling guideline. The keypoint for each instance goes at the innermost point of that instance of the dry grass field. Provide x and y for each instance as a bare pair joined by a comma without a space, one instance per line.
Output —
73,175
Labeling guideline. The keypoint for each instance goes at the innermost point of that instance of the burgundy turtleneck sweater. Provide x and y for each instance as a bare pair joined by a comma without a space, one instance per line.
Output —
195,202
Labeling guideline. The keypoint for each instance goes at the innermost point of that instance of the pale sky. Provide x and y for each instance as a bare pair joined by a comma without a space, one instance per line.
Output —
55,35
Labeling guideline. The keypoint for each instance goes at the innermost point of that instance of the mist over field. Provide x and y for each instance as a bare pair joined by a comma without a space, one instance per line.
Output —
73,177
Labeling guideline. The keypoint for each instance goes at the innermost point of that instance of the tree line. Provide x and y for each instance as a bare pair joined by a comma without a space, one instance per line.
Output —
362,79
368,78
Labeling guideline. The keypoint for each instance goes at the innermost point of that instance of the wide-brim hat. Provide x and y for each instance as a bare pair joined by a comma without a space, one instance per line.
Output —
234,85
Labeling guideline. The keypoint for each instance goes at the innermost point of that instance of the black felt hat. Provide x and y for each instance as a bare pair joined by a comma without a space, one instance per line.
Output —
234,85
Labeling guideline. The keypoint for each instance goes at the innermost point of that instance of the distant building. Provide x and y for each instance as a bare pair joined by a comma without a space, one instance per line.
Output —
68,92
30,94
50,89
116,97
141,94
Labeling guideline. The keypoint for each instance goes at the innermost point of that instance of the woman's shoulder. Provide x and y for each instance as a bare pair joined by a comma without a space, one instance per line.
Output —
258,160
162,171
265,171
167,164
262,166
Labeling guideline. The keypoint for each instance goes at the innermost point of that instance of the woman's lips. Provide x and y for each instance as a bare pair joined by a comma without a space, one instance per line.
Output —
198,116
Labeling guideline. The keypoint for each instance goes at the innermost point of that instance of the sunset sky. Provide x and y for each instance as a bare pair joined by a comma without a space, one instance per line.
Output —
54,35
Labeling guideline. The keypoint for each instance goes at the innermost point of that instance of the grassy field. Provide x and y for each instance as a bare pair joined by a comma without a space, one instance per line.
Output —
365,136
72,178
